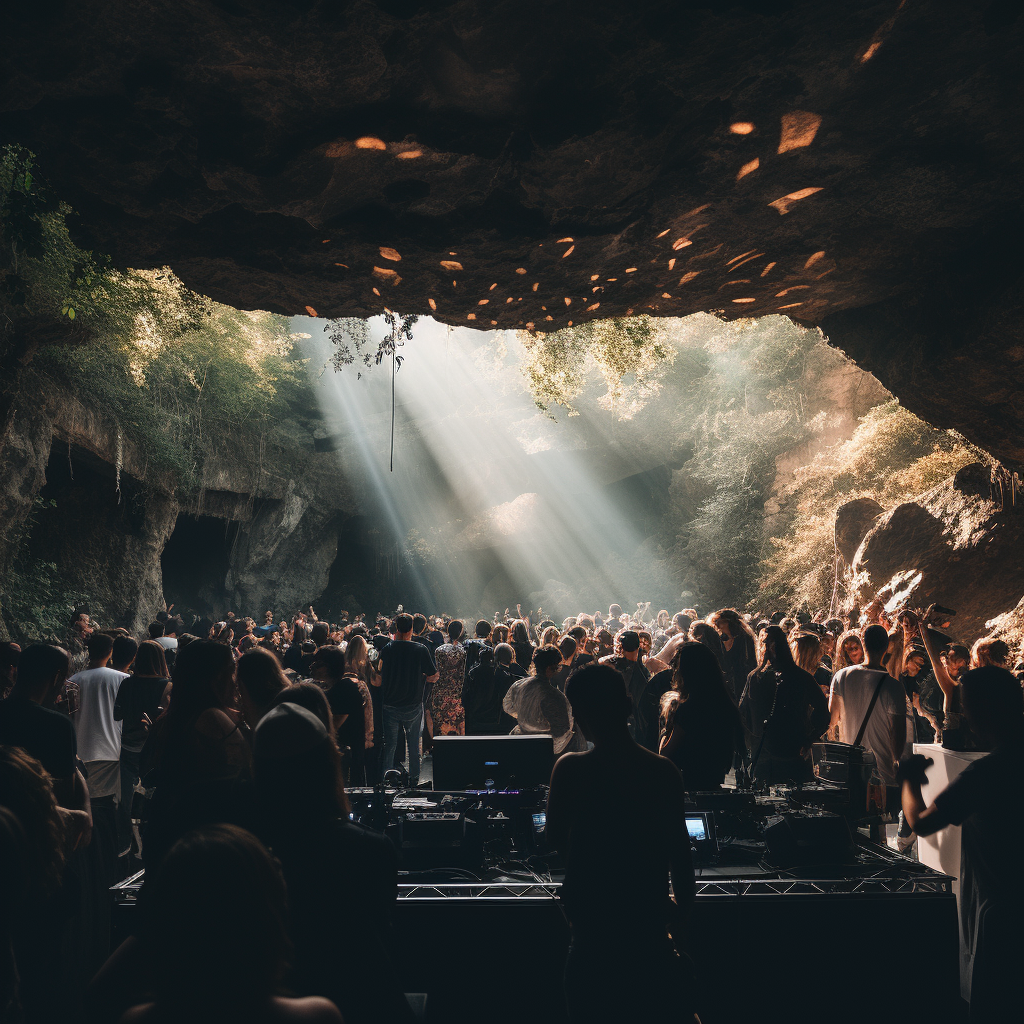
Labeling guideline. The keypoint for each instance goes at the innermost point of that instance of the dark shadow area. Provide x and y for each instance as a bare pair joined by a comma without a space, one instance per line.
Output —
195,563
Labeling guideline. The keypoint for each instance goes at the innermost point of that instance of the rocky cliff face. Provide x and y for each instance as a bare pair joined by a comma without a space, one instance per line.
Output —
107,517
958,545
524,163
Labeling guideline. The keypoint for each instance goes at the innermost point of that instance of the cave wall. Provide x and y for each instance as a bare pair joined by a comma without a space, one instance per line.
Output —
852,165
112,519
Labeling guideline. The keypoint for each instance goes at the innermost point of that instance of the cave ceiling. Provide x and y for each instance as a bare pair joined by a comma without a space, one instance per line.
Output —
516,162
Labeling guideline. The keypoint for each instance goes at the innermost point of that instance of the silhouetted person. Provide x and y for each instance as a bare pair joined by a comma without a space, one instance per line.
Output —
700,726
783,711
216,938
617,812
342,878
987,801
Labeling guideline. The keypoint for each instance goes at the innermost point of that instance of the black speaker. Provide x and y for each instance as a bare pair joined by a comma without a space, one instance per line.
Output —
801,838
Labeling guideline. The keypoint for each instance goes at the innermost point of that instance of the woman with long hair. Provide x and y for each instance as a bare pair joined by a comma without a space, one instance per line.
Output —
783,711
216,935
340,931
849,650
520,641
196,749
706,634
445,701
700,726
141,699
359,667
36,907
739,644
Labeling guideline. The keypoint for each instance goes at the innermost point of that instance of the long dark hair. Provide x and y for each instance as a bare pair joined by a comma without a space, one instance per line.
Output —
150,660
27,791
697,675
216,924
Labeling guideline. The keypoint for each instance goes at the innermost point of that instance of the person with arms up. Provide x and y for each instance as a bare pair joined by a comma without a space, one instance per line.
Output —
987,801
405,667
620,933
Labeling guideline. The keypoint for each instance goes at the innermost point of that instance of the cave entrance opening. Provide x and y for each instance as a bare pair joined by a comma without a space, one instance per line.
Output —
195,563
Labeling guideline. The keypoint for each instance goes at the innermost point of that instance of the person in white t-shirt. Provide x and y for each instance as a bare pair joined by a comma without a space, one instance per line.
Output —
884,723
98,735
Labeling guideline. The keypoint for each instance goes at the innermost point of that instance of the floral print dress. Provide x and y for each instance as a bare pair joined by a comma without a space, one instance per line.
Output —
446,709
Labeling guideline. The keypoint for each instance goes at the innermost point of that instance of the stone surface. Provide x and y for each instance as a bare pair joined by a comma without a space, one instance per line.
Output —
853,165
954,546
853,520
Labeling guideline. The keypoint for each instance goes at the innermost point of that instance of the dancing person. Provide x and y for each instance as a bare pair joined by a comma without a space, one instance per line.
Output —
484,692
96,730
620,933
347,701
196,750
27,720
37,893
537,705
519,640
700,725
260,679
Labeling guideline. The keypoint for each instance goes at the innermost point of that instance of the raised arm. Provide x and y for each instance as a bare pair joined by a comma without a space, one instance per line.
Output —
942,677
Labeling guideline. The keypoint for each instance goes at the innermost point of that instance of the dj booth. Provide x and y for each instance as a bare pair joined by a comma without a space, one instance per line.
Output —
797,913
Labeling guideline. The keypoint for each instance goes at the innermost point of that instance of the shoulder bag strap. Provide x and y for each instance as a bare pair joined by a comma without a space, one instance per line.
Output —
871,707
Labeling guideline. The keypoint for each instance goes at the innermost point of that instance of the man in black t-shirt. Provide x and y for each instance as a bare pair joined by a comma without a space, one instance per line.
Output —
347,707
405,667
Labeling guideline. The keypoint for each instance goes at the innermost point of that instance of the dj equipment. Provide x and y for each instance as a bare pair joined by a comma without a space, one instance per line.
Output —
492,762
842,762
802,838
700,827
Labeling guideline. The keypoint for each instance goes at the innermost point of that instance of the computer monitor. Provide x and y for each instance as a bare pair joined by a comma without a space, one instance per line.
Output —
492,762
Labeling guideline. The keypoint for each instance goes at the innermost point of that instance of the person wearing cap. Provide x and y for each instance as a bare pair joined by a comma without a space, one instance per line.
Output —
342,878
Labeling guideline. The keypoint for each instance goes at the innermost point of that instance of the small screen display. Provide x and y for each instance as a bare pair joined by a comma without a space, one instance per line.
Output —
695,827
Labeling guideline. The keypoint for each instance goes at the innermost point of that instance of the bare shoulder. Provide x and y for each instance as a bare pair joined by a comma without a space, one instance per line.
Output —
214,722
308,1010
142,1014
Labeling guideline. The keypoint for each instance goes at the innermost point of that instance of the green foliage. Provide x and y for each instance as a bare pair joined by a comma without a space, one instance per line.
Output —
175,370
892,457
630,354
38,600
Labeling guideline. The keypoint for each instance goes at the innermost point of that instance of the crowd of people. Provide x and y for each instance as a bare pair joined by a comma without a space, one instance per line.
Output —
210,746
